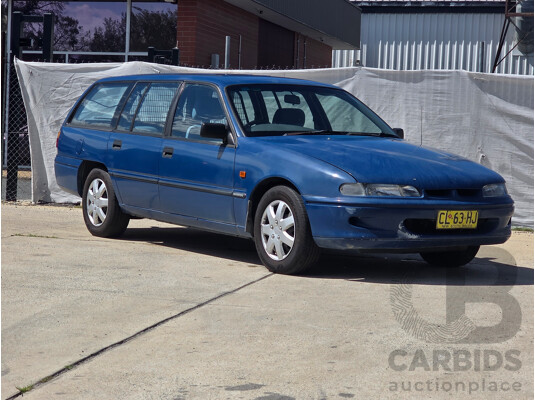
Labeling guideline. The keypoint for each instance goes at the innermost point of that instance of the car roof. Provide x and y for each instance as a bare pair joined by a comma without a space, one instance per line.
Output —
222,80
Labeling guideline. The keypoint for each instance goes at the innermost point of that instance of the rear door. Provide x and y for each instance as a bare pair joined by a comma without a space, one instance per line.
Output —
134,147
197,174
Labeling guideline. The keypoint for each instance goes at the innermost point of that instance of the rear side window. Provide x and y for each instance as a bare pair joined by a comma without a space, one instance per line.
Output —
152,112
130,108
98,107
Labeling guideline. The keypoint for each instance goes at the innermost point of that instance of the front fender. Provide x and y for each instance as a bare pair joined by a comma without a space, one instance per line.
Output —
259,161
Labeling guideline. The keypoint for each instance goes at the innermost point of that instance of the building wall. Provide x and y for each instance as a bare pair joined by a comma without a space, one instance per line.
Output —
310,53
407,41
202,27
276,44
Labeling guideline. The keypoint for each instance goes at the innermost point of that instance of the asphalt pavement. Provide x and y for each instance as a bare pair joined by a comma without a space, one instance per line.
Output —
167,312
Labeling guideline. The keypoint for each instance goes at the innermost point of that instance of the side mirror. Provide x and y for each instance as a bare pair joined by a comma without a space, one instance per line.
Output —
399,132
214,131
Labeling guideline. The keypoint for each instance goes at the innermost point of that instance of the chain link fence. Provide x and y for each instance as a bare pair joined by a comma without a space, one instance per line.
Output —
16,161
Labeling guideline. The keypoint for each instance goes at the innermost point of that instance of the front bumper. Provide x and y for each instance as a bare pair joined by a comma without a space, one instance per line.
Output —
404,226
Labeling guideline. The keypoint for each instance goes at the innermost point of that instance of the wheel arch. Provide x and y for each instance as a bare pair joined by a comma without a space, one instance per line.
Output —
83,171
257,193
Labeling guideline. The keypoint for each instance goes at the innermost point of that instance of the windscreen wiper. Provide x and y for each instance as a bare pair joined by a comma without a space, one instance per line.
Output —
388,134
382,134
317,132
362,134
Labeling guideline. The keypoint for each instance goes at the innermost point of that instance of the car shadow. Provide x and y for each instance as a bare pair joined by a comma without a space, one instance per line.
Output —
496,270
196,241
492,267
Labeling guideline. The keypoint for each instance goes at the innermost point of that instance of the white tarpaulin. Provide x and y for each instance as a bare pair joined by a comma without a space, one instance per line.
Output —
487,118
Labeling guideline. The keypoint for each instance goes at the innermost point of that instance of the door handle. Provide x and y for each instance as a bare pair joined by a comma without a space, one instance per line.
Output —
117,144
167,152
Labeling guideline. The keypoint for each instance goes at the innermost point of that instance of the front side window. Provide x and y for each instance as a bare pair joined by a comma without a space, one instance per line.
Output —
279,109
153,108
197,104
98,107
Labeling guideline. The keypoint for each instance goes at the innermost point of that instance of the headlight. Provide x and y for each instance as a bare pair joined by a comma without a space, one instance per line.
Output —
494,190
376,189
353,189
391,190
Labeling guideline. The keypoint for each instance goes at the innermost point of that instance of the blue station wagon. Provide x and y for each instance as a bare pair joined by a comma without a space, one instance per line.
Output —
297,166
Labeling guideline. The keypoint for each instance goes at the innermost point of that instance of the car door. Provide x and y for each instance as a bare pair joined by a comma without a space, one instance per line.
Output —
196,173
134,147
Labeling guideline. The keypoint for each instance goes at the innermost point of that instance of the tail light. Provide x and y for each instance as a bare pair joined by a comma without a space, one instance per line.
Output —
57,138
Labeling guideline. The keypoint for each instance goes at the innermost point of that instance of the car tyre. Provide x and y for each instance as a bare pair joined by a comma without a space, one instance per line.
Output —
102,215
451,259
282,234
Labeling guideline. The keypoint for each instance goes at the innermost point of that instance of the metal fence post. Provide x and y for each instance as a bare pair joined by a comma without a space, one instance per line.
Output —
16,135
13,124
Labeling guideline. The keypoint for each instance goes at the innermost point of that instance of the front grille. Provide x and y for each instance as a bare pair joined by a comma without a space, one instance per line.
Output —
439,194
468,192
428,227
452,194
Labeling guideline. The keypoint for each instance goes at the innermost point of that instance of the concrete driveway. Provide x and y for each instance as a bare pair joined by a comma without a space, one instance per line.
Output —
168,312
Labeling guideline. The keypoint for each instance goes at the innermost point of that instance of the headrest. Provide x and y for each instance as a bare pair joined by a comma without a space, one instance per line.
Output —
289,116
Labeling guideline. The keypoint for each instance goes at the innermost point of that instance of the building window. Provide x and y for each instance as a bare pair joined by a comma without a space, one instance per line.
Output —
153,24
97,31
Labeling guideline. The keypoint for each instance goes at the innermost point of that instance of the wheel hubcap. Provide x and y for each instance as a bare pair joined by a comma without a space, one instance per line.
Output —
278,230
97,202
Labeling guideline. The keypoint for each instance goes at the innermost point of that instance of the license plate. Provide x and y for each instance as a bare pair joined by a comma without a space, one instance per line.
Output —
449,219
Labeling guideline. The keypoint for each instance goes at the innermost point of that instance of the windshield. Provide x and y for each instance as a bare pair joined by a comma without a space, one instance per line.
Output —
279,109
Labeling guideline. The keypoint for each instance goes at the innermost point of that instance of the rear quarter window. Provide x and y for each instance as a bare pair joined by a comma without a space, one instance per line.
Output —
99,106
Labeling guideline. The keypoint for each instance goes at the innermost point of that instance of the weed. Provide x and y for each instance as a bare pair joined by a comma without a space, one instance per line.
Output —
522,229
25,388
31,235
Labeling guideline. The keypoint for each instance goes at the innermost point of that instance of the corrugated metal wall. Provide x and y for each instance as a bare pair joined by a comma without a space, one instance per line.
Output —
434,41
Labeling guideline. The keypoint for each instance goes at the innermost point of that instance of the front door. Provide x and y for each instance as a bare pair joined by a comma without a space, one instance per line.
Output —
197,174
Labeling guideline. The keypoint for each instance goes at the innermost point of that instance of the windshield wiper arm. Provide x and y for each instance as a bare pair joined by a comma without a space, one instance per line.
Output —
331,132
387,134
363,134
317,132
382,134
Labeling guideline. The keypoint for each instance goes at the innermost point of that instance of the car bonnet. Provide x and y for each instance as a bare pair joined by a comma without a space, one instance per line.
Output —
386,160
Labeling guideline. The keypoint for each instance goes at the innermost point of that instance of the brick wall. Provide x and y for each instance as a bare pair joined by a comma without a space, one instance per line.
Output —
187,30
318,55
203,25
